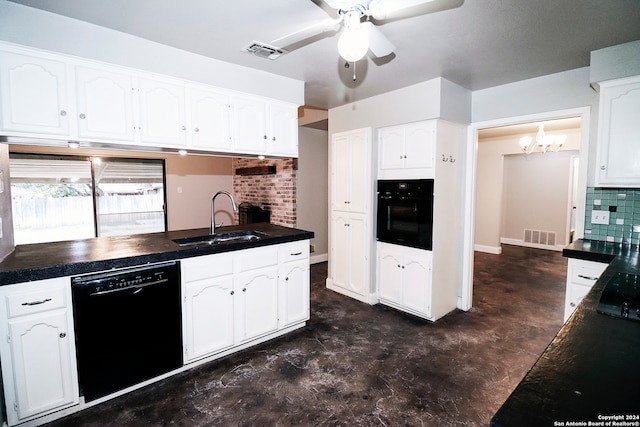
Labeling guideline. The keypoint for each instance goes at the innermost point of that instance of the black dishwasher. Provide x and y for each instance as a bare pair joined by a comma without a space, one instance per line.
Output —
128,326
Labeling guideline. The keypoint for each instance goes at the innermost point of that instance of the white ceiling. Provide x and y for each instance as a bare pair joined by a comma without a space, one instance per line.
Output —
482,43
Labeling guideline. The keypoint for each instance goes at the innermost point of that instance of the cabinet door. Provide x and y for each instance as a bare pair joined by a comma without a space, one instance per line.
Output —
416,285
249,125
162,113
419,146
42,383
34,95
340,173
358,255
294,295
105,105
283,130
209,317
257,298
575,294
210,120
391,148
620,135
360,180
340,250
390,276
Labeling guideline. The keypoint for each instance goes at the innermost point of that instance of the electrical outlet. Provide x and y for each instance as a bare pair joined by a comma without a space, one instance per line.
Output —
600,217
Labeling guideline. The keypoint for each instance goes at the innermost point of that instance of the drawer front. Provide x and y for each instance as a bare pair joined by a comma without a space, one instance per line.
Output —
45,295
293,251
206,267
585,273
251,259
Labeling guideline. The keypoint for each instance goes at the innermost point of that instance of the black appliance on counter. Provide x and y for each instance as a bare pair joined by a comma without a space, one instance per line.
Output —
405,212
621,297
250,214
128,326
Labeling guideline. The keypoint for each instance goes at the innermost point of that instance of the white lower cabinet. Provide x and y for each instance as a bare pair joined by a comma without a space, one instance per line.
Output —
404,278
293,283
236,298
581,276
37,319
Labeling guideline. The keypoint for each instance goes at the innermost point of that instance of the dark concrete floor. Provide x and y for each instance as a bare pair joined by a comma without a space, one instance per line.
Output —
361,365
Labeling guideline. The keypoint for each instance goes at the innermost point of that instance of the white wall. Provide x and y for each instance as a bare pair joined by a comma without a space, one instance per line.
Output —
490,189
537,195
312,192
44,30
436,98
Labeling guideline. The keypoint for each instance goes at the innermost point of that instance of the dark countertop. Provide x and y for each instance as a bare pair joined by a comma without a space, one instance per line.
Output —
58,259
591,368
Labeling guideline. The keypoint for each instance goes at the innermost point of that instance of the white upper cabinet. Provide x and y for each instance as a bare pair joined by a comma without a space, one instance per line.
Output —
249,124
619,134
105,104
351,180
407,151
283,130
34,95
264,127
210,128
56,97
162,113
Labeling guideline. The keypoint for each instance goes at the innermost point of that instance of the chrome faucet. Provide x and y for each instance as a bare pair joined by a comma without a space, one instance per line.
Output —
212,231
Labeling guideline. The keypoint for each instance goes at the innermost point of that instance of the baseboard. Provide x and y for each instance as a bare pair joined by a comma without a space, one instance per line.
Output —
315,259
518,242
496,250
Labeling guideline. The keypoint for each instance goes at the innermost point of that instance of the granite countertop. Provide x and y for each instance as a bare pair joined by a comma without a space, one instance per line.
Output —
58,259
591,369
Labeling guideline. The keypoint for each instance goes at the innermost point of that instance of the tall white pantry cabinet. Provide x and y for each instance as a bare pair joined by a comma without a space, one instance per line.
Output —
423,283
351,216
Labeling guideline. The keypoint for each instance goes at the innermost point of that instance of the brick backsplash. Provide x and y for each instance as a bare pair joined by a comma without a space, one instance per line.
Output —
624,207
276,191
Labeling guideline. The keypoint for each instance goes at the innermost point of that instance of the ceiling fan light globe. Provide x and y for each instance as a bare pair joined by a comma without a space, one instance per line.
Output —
353,44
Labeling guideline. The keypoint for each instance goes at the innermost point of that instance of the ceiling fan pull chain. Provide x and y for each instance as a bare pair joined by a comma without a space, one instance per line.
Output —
354,71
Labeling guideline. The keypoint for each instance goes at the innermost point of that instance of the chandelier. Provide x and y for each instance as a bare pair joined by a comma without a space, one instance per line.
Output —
543,142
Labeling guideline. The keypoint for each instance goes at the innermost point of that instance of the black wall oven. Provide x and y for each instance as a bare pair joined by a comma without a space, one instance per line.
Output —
405,212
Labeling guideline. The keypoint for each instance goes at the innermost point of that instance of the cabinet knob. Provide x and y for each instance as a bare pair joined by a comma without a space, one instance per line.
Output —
244,289
63,113
265,137
274,138
398,265
196,130
184,128
603,167
286,278
573,304
83,116
405,156
232,292
63,334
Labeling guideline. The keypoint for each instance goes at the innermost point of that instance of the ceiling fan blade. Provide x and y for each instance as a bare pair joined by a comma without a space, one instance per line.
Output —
379,44
328,25
388,10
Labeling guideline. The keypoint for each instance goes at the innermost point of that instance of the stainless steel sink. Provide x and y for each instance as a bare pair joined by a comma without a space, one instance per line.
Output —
222,238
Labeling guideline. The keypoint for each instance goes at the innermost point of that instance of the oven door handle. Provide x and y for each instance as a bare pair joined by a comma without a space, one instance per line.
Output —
136,288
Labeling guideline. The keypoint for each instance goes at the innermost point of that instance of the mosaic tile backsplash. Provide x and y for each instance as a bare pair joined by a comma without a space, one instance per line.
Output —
623,205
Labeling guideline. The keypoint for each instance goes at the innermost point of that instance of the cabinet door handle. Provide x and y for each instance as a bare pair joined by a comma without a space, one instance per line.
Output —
286,278
63,334
37,302
603,167
296,254
573,304
587,277
196,130
83,116
63,113
232,292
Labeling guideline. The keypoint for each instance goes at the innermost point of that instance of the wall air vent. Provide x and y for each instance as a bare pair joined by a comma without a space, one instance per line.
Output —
263,50
547,238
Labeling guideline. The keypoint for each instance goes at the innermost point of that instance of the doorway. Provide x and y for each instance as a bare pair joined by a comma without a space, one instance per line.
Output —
466,294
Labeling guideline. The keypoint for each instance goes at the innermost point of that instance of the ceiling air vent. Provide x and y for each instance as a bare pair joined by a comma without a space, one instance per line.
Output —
263,50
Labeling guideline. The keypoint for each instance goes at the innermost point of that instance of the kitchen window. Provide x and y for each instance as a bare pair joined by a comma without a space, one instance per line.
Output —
57,198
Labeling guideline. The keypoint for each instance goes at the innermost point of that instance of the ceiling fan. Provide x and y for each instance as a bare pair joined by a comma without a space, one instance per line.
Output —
360,19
